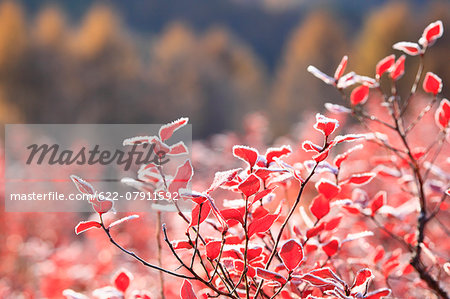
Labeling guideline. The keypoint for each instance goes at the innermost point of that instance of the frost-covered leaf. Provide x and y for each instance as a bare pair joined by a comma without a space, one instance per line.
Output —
197,213
269,275
82,185
124,219
432,83
431,33
327,188
412,49
359,95
213,249
337,109
398,69
292,254
341,68
360,179
86,225
442,115
250,185
325,124
166,131
182,177
384,65
320,75
245,153
186,291
261,225
222,177
320,207
331,247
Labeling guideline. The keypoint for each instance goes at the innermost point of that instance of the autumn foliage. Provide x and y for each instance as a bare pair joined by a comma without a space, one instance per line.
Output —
369,218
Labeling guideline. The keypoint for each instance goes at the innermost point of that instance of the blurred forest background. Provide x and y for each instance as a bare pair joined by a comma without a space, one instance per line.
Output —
212,60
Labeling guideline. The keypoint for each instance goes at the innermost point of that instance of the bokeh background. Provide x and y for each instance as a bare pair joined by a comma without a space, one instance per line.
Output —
150,61
212,60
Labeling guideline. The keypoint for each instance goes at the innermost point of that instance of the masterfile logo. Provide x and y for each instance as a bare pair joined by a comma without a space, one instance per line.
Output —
40,159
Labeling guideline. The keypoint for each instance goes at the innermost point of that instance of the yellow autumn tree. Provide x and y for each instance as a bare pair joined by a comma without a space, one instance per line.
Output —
319,41
212,77
383,28
13,48
50,29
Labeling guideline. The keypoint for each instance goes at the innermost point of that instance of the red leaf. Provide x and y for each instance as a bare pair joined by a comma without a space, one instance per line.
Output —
315,280
379,254
408,269
85,225
359,95
442,115
323,155
342,157
245,153
347,138
331,247
82,185
320,207
196,197
341,68
398,69
308,146
432,83
239,266
213,249
101,206
187,292
259,212
378,294
431,33
206,208
325,125
277,152
250,186
269,275
315,230
178,149
325,273
223,177
181,244
412,49
360,179
253,253
182,177
327,188
232,214
122,280
160,147
166,131
362,278
378,201
233,240
292,254
333,223
261,224
384,65
263,194
352,209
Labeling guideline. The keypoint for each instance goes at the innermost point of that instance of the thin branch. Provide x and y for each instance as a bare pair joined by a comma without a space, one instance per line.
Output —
291,212
135,256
